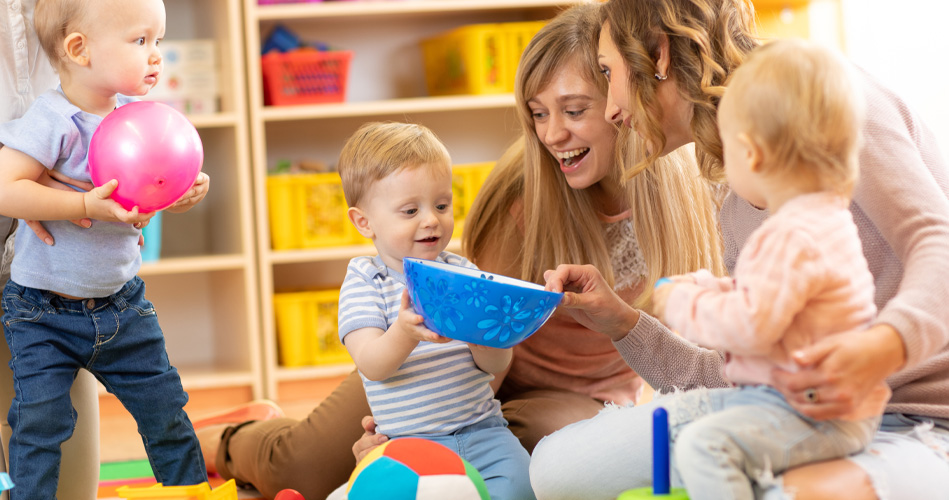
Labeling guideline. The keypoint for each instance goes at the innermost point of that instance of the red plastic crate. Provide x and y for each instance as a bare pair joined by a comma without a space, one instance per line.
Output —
305,77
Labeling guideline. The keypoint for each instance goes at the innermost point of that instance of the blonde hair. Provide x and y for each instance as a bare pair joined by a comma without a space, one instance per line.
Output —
708,39
673,212
53,21
799,102
378,149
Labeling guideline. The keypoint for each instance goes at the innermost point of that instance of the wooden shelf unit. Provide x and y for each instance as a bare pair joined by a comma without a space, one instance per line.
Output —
204,285
386,82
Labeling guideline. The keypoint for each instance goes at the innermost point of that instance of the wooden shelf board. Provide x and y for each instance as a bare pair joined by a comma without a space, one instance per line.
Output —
334,253
404,7
178,265
213,120
313,372
387,107
195,378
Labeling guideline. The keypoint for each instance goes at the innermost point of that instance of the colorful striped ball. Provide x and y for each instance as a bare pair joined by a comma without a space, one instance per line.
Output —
415,469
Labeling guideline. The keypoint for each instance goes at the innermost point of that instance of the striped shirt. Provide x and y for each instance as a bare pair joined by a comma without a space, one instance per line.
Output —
439,388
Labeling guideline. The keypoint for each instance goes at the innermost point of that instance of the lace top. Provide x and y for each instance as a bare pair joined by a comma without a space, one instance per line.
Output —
629,265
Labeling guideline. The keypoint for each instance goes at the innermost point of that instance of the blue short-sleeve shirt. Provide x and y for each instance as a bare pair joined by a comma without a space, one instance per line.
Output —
84,262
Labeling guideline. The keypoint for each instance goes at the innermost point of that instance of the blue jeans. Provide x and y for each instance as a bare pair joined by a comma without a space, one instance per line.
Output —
752,434
117,339
492,449
497,454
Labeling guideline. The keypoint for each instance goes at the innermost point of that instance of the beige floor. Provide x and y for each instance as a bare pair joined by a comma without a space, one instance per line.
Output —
120,440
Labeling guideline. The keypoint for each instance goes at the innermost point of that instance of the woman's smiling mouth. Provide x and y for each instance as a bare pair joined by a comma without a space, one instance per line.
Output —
572,157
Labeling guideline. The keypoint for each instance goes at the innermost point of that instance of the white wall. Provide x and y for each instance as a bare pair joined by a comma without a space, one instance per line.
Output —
905,43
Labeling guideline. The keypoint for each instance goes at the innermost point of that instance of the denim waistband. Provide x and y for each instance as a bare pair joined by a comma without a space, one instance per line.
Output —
52,301
896,422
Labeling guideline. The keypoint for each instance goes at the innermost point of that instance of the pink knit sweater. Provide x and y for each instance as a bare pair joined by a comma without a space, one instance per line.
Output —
801,276
901,207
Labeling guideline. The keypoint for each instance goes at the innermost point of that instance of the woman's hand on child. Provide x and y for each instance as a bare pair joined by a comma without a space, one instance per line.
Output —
841,371
412,324
195,194
591,301
98,205
370,439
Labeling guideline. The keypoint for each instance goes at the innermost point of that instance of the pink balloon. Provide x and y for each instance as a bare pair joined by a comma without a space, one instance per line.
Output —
152,150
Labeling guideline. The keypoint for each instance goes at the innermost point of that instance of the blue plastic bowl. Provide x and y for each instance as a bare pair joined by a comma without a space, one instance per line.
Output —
476,306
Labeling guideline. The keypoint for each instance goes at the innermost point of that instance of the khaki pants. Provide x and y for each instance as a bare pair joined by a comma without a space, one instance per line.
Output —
314,456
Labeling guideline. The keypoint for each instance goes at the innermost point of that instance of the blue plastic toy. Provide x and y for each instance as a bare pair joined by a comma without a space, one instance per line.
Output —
660,464
5,482
475,306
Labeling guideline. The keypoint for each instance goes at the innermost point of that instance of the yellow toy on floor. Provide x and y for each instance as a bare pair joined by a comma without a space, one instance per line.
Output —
227,491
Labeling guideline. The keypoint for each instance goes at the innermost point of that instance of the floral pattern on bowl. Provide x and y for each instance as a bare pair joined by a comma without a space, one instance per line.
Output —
475,306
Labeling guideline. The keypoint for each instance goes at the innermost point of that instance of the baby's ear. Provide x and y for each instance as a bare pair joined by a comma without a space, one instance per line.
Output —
76,49
359,219
753,150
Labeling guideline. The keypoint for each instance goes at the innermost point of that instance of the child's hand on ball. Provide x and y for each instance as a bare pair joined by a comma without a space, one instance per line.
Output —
100,206
194,195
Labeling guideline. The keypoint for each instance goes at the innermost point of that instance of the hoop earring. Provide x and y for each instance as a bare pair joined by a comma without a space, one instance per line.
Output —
661,77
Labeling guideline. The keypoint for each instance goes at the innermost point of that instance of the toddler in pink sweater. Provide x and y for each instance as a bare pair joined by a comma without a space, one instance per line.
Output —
789,123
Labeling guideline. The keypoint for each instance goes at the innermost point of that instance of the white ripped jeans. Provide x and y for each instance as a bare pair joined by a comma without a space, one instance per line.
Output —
601,457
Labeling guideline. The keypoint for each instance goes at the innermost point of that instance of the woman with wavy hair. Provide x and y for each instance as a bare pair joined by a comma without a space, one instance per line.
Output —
558,196
667,63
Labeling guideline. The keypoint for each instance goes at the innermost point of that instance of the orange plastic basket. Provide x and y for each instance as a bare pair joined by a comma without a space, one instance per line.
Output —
305,76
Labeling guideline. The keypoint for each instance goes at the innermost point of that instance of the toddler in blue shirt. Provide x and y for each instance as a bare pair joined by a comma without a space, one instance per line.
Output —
78,303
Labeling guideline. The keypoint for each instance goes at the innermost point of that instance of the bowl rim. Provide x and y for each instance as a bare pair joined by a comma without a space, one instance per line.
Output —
478,275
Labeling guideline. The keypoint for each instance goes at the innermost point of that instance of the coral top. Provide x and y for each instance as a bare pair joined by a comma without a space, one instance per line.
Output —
565,355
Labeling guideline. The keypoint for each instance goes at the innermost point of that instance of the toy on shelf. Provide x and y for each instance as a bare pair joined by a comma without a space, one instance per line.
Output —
227,491
5,482
660,464
415,469
297,72
151,250
152,150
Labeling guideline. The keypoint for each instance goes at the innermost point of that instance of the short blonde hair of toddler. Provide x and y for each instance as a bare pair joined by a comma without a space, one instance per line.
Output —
54,20
802,104
379,149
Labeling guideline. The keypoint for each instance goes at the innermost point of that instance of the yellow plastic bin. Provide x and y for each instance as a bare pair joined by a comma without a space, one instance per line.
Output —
307,331
227,491
467,60
308,211
466,181
516,37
